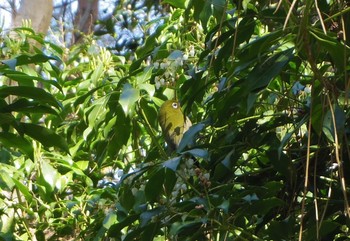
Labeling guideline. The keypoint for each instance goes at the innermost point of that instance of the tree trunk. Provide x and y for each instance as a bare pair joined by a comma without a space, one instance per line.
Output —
85,18
38,11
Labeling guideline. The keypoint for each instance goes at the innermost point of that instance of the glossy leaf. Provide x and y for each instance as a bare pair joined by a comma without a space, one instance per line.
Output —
128,98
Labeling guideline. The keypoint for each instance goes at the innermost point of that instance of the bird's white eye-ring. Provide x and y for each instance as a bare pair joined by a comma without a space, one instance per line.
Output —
174,105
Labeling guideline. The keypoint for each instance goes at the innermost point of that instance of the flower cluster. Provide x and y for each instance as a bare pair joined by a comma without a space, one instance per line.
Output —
169,67
203,177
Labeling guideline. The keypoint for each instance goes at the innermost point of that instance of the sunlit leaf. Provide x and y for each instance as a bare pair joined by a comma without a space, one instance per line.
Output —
128,98
172,163
23,189
49,175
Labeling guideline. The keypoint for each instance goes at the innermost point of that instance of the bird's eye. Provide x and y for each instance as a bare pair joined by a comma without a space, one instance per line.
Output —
174,105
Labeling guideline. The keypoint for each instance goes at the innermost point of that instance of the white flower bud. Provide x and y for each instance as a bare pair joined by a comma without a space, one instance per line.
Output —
157,84
167,74
163,65
134,191
192,52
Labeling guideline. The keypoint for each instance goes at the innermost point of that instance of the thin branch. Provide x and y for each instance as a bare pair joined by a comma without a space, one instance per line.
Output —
320,16
289,13
337,157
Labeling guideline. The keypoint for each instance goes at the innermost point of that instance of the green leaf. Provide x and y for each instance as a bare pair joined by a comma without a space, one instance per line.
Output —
120,132
189,136
262,207
146,217
328,123
97,112
11,63
27,59
245,29
281,163
219,8
262,74
150,112
109,220
170,181
6,181
148,47
6,118
46,137
34,59
25,79
154,185
188,227
289,135
82,98
317,115
97,73
31,92
256,49
172,163
24,190
326,228
205,13
224,168
145,76
116,228
49,174
128,98
26,106
201,153
334,47
12,140
177,3
281,230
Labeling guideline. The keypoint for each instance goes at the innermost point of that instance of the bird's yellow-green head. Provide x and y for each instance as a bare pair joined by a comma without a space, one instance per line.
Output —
173,123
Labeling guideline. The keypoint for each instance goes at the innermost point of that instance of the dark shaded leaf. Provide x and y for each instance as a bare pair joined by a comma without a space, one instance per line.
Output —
12,140
154,185
26,106
189,136
46,137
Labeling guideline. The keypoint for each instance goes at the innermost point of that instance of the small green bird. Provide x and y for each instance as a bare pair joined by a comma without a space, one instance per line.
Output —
173,123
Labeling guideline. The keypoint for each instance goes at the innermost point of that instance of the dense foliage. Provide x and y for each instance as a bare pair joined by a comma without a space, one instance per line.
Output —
266,86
